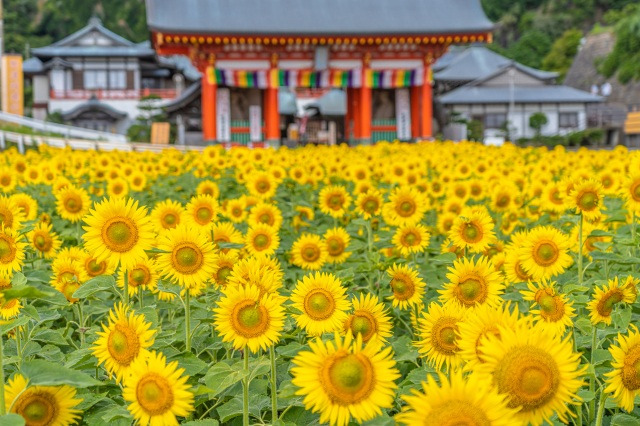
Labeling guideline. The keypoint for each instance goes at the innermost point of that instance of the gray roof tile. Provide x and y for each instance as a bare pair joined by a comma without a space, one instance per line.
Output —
529,94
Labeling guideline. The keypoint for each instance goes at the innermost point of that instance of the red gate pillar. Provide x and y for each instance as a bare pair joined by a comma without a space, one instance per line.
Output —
416,93
427,102
364,106
271,113
208,105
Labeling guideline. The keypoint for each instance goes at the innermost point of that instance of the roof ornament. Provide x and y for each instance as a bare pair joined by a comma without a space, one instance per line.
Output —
95,21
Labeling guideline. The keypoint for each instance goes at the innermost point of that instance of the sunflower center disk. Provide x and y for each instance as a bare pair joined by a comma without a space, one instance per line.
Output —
458,413
204,214
138,276
588,201
547,303
411,239
154,394
188,259
95,267
335,201
471,291
370,206
401,289
36,408
40,241
223,274
335,247
5,248
606,305
123,344
249,319
472,233
406,208
261,241
530,377
362,323
170,219
73,205
631,369
635,192
265,218
547,254
120,235
310,253
319,305
349,379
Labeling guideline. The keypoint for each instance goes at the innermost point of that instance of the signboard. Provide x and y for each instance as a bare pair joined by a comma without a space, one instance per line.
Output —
12,85
403,114
255,123
160,133
223,111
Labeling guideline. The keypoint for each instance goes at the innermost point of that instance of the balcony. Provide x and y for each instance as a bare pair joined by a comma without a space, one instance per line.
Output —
110,94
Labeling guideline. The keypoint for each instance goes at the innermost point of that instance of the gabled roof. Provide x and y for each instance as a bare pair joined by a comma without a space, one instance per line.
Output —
470,94
115,45
317,17
93,104
32,66
477,62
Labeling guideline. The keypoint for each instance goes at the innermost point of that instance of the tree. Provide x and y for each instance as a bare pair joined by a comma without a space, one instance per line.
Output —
531,48
624,59
562,52
536,122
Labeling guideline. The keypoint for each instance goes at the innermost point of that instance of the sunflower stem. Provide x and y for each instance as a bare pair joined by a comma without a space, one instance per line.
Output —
81,323
592,379
603,399
140,297
274,389
3,410
187,320
580,271
245,388
125,295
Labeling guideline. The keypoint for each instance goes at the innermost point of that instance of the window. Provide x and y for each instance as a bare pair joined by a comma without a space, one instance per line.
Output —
568,120
95,79
117,79
495,120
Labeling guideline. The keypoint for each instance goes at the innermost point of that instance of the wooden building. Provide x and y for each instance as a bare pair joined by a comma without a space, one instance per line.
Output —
379,52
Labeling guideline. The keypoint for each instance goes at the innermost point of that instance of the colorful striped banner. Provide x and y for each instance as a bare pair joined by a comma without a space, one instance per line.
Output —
333,78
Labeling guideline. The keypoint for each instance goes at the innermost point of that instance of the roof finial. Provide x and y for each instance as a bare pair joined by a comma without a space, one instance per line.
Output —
95,20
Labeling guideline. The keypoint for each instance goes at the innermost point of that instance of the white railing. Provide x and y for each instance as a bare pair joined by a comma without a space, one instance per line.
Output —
67,131
23,141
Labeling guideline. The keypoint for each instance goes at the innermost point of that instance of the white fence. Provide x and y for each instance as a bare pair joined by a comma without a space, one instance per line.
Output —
67,131
24,141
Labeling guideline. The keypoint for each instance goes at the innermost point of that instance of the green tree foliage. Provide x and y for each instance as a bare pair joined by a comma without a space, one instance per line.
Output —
537,122
624,60
562,52
34,23
531,48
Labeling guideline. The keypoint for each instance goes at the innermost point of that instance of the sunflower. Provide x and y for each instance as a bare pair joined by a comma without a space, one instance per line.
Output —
406,207
587,197
537,370
473,229
44,240
473,283
72,203
235,211
624,381
544,253
208,187
267,214
309,252
11,308
631,283
41,405
411,239
605,298
477,324
341,379
8,180
117,187
631,191
11,216
248,318
189,258
201,212
262,239
445,222
11,251
369,319
225,232
303,216
254,271
322,301
94,268
262,185
118,229
406,285
157,392
143,275
334,200
137,181
336,242
438,335
555,310
122,341
223,267
456,400
369,204
28,205
167,214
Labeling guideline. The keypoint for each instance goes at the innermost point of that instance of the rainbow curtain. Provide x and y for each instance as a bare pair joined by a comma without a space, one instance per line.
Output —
333,78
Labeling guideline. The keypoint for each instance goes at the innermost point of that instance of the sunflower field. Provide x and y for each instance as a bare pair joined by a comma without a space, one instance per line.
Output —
430,283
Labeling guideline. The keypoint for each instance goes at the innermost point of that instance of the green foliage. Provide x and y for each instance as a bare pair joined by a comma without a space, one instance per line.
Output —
531,48
562,52
537,121
35,23
475,130
624,60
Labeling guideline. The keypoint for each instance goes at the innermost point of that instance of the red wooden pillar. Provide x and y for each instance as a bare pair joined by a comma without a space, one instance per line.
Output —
416,92
208,105
271,113
355,116
365,107
348,118
427,103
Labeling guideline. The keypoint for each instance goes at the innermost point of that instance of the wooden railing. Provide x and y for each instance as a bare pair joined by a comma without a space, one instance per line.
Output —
111,94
